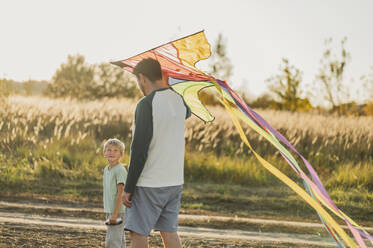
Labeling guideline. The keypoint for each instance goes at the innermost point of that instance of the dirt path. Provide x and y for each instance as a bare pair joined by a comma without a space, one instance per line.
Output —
199,218
11,213
210,233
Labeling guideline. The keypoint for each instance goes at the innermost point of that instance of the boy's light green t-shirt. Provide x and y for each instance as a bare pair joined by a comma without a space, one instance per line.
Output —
117,174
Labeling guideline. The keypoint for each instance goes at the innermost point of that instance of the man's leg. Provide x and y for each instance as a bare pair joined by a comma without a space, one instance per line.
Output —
167,223
138,240
141,217
171,240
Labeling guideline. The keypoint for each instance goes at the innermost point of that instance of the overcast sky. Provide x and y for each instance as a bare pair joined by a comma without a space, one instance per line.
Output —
36,36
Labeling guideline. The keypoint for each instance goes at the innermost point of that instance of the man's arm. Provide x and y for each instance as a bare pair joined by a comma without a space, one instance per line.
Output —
140,144
118,202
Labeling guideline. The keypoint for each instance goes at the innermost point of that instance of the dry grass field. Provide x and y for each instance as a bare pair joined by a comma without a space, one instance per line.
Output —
54,147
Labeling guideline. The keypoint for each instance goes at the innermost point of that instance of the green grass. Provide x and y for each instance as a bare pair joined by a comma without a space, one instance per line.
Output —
208,167
214,185
270,202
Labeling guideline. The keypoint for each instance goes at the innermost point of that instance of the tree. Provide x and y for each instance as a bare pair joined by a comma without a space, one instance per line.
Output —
72,79
368,86
29,86
285,86
77,79
264,101
331,75
4,90
220,65
112,81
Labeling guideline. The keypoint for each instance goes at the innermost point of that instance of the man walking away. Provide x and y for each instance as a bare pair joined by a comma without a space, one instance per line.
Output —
156,173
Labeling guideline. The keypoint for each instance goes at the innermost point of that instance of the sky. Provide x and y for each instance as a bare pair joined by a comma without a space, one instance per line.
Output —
37,36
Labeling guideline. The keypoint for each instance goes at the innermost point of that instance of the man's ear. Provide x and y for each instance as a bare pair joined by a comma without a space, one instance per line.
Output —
142,78
145,78
138,77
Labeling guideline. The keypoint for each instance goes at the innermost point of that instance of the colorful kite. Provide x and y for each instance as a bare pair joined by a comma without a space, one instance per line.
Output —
178,59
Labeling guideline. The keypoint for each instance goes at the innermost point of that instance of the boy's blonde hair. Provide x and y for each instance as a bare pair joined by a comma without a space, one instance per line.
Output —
115,142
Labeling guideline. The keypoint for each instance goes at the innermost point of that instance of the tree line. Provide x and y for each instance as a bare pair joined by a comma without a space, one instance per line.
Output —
77,79
287,89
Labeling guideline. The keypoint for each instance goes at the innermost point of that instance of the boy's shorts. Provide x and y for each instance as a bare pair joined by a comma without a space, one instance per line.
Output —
115,237
154,208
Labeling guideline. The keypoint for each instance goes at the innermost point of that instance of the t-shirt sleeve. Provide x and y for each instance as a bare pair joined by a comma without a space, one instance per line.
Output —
140,143
121,175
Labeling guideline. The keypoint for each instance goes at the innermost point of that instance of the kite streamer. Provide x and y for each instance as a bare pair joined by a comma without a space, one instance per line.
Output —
178,59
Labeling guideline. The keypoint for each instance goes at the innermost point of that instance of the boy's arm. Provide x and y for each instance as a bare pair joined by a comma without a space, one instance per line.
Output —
118,203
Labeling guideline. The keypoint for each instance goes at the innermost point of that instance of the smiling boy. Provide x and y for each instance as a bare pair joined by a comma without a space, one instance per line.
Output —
114,179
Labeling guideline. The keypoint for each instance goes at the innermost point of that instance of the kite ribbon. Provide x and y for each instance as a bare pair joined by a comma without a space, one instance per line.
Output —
282,176
320,190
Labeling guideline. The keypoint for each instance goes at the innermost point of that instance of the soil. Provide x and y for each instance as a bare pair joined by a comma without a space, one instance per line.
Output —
37,223
31,235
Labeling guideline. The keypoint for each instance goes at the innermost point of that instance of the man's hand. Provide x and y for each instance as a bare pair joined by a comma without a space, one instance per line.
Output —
126,198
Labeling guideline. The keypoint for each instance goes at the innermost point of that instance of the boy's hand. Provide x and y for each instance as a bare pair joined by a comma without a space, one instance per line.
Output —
113,219
126,198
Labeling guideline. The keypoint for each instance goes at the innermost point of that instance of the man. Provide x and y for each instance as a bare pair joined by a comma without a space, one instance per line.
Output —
153,188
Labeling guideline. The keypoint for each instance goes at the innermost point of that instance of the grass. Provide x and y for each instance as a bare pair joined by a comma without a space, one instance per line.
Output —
271,202
54,147
208,189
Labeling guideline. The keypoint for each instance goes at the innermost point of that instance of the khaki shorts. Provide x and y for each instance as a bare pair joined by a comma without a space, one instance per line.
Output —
154,208
115,237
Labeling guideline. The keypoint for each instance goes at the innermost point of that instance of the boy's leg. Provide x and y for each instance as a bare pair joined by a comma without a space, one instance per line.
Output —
171,240
115,237
107,238
138,240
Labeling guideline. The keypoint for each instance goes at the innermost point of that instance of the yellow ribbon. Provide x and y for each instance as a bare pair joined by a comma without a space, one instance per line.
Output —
325,215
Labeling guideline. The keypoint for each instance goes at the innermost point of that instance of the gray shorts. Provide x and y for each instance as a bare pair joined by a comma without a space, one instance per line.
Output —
154,208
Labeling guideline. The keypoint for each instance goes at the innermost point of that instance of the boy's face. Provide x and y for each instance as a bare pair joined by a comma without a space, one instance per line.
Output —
112,154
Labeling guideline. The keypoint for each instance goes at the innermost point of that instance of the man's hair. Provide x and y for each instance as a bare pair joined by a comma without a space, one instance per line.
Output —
115,142
150,68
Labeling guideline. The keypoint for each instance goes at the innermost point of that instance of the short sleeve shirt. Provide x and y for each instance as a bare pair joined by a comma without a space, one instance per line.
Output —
112,177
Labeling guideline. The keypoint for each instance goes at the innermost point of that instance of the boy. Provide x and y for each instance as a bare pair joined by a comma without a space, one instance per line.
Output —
114,179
